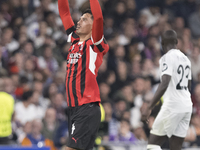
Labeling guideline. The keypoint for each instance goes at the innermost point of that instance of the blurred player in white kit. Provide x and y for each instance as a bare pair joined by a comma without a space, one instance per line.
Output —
173,120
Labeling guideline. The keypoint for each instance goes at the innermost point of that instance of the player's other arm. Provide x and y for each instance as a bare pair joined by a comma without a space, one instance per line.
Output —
160,91
189,85
64,11
147,107
97,28
190,79
65,16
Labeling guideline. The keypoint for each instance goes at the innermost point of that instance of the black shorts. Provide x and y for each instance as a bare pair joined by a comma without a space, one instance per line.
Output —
84,123
5,141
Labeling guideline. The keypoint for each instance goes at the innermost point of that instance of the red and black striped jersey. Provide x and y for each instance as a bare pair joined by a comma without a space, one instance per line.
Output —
83,62
84,58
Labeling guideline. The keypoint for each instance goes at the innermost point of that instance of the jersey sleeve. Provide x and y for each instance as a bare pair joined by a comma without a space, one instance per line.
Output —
100,44
101,47
166,65
64,11
97,28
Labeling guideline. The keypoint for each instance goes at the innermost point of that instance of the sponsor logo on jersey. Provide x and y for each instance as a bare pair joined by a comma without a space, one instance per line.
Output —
73,58
165,67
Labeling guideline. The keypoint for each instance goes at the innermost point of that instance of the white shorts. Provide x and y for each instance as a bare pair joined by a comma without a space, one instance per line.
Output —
171,123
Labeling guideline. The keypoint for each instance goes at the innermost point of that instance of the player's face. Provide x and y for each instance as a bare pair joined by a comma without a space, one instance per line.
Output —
84,25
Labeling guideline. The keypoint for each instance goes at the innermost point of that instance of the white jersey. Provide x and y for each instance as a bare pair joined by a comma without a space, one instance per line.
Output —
177,96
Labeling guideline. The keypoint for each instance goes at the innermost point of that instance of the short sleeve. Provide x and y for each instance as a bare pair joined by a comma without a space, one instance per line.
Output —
166,65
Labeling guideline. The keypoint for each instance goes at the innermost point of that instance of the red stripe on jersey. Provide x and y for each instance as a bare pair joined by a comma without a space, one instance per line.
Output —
66,87
74,83
71,90
67,84
83,70
78,73
78,81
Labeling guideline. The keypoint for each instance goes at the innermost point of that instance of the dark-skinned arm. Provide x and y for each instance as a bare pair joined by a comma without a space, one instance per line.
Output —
160,91
147,107
189,85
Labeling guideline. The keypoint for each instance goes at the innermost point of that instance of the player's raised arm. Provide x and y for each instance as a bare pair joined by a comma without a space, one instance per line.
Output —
97,28
65,15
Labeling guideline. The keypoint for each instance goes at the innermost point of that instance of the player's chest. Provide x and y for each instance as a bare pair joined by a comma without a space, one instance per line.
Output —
76,52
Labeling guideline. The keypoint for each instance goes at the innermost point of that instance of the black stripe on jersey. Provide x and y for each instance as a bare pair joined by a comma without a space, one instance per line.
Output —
101,49
69,85
70,30
83,71
66,80
74,35
75,41
74,84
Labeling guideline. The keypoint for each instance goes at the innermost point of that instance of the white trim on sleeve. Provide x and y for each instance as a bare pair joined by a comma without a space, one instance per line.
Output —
97,43
69,39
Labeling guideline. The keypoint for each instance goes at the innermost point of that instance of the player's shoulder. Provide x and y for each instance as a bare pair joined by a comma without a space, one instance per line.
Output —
89,41
167,56
174,54
179,55
101,46
102,41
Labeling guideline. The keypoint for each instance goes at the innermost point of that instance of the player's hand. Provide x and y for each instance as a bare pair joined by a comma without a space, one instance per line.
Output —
145,112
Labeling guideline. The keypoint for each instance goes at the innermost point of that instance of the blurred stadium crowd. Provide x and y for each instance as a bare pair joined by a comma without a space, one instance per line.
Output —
33,51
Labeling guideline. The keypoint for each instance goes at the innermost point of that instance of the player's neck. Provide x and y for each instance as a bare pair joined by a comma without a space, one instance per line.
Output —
169,47
84,37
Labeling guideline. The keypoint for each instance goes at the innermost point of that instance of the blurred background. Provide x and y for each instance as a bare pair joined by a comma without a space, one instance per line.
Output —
33,51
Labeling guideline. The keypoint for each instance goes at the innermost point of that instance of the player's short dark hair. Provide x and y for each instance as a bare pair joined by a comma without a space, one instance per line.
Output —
88,11
169,37
27,95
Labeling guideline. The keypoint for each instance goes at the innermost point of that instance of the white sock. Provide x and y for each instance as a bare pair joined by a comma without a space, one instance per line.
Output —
153,147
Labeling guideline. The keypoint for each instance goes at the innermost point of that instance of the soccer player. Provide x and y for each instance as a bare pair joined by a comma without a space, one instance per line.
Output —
88,47
174,117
